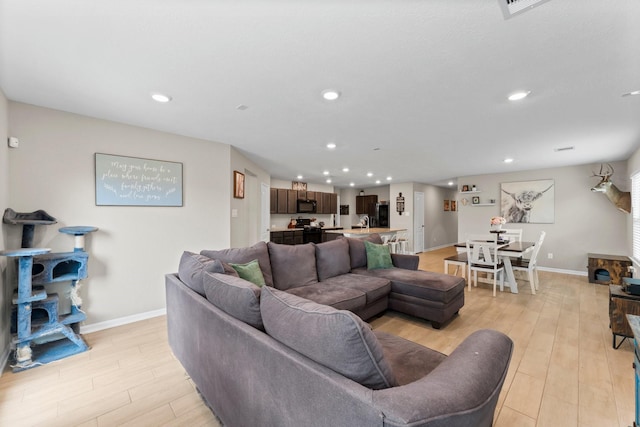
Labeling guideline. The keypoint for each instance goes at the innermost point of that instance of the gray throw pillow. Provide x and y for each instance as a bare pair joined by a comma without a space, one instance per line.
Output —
337,339
332,259
357,252
293,265
235,296
192,266
258,251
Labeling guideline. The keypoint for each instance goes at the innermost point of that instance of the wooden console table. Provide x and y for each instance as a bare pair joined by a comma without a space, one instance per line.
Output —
621,304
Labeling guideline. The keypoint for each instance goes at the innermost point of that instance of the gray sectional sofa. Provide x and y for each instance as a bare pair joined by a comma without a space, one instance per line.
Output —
296,352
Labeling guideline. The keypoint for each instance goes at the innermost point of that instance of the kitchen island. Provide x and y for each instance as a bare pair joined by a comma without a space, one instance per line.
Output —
364,232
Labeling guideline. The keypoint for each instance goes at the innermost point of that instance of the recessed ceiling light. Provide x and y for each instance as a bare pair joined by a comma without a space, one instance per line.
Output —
377,181
330,94
508,160
635,92
160,97
351,184
369,174
299,177
331,145
517,96
329,181
389,178
325,173
345,169
450,183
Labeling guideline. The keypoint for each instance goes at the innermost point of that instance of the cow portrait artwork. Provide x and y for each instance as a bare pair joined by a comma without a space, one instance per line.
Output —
528,202
621,199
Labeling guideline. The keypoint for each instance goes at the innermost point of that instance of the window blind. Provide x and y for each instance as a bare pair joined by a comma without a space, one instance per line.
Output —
635,212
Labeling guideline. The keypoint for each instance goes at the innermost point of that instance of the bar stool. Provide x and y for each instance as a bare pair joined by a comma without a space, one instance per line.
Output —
403,241
393,244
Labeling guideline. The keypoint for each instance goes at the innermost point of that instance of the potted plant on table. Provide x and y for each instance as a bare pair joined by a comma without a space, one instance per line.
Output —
497,222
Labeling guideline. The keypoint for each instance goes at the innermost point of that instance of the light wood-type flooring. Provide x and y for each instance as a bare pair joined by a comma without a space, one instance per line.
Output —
563,372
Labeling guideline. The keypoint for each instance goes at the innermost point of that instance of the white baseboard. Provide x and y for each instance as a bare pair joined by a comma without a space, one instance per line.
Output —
448,245
94,327
563,271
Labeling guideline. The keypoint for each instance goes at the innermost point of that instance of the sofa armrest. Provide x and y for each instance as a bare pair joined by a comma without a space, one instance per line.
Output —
462,391
408,262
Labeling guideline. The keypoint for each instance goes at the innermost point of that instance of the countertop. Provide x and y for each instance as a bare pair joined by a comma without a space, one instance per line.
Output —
365,232
302,229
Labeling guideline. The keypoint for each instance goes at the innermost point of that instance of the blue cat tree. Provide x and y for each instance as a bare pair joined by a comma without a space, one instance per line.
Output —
42,334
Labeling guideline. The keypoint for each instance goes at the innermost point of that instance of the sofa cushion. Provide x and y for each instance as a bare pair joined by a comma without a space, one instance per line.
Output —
235,296
337,339
250,271
258,251
373,287
426,285
192,266
292,265
340,297
332,258
357,252
409,361
378,256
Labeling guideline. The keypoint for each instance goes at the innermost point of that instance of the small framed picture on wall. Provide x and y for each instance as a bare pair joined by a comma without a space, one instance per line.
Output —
475,200
453,206
446,205
238,185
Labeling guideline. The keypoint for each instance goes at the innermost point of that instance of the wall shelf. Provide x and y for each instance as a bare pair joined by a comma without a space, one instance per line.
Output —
470,192
483,204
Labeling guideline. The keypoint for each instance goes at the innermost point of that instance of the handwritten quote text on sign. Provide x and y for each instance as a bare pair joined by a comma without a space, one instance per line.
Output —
132,181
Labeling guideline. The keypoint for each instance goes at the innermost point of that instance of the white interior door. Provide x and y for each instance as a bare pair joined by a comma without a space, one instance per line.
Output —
265,212
418,222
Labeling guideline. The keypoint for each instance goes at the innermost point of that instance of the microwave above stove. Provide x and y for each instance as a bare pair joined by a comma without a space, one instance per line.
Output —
307,206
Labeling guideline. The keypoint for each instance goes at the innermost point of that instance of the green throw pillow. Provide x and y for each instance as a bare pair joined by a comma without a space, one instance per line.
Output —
378,256
250,271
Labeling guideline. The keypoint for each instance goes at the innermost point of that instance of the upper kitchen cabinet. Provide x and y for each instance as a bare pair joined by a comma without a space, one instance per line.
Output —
283,201
366,205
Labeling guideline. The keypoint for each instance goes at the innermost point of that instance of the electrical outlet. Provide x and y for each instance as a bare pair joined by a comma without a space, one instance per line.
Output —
550,255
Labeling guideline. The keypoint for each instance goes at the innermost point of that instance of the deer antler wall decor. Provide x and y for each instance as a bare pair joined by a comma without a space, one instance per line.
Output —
622,199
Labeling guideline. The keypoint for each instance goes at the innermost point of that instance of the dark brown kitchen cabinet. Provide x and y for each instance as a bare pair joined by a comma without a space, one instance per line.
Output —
273,199
293,237
302,195
326,203
292,201
286,201
366,205
281,206
319,203
333,203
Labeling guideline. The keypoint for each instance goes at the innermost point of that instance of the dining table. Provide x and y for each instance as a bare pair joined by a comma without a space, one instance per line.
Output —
506,251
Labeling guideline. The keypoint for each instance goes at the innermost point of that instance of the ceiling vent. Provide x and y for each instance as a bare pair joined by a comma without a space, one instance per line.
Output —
515,7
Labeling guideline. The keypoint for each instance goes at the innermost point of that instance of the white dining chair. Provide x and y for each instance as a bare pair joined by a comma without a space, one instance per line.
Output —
531,265
460,261
512,234
483,256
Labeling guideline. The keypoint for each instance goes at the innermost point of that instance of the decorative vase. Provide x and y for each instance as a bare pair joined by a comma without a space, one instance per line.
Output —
496,227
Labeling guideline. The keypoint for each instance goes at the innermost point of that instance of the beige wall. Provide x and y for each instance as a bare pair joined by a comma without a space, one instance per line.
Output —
246,224
441,228
6,291
54,170
584,221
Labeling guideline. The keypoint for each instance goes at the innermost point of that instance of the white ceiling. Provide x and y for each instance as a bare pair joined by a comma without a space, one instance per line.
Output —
423,83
